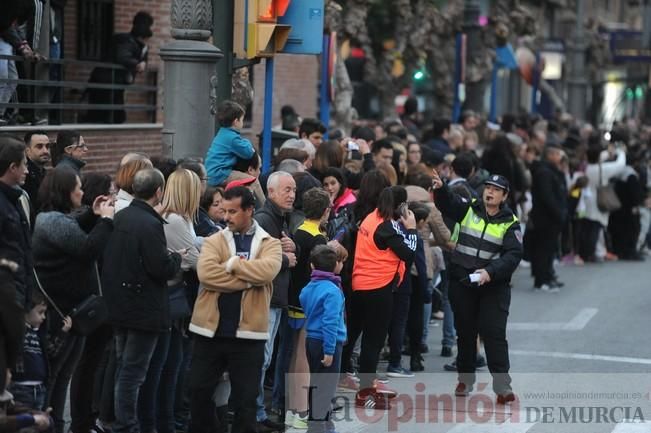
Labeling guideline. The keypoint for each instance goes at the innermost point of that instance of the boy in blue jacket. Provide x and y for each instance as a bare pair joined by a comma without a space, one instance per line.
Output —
323,303
228,145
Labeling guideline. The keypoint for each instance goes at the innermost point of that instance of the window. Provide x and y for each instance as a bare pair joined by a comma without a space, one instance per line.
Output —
95,29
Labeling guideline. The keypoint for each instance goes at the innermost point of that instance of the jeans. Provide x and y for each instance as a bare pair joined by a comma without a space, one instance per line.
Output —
61,369
7,71
168,383
427,311
275,314
83,385
134,352
182,400
449,333
283,358
32,396
398,326
148,398
211,357
323,385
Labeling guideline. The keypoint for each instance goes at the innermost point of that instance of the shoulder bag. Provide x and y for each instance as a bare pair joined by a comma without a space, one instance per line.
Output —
607,200
88,315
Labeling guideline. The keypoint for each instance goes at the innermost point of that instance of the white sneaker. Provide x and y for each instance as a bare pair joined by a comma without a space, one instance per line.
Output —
289,418
300,423
546,288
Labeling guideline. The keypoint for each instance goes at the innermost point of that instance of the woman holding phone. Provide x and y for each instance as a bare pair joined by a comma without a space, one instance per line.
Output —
387,238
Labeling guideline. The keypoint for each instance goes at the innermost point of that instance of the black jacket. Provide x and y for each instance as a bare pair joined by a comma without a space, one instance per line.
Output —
128,52
275,222
15,241
65,257
500,270
550,197
137,265
33,183
73,163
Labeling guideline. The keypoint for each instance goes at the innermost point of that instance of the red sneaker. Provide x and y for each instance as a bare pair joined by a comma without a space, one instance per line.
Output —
347,384
381,388
462,390
505,398
370,399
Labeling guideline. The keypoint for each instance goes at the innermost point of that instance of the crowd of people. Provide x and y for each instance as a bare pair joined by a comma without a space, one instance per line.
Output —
189,295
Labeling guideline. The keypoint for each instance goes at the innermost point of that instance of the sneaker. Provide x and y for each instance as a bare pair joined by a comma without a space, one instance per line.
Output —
446,352
438,315
611,257
462,390
348,384
369,399
546,288
451,366
354,376
505,398
399,372
382,378
300,422
381,388
268,426
289,418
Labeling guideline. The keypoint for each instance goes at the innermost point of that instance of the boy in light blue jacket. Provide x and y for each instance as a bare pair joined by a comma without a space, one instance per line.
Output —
323,303
228,145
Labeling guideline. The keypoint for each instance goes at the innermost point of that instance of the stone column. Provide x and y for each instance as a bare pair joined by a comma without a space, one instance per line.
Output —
190,81
576,81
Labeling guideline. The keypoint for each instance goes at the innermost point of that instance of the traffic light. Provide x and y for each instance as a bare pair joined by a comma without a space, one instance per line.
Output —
419,75
256,29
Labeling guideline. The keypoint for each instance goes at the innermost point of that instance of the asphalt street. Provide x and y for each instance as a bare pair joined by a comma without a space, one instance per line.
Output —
580,361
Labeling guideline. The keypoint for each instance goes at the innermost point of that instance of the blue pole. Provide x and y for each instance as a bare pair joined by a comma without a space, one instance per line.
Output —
456,110
268,107
492,115
324,95
534,85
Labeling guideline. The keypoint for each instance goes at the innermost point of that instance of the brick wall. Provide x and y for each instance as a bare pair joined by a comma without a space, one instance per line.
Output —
106,148
295,83
124,11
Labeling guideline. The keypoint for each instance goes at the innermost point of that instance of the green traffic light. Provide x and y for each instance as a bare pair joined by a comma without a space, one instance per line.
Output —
629,94
639,92
419,75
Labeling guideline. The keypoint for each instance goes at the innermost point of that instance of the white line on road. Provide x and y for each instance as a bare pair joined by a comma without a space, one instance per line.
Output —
577,323
583,356
492,428
631,427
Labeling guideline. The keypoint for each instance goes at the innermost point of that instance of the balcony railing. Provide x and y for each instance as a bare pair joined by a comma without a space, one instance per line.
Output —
64,100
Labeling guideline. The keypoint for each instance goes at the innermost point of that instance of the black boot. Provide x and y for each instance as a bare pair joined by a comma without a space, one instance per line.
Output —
416,362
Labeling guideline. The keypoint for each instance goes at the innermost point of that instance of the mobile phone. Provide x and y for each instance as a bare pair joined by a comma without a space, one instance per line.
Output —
403,210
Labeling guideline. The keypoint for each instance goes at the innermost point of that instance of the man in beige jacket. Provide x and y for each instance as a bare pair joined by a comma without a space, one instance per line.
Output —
230,319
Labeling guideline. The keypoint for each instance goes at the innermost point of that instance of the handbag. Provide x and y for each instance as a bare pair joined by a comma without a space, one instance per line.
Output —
178,300
607,200
88,315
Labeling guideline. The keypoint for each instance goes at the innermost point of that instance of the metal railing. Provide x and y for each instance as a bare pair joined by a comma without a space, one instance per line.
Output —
67,101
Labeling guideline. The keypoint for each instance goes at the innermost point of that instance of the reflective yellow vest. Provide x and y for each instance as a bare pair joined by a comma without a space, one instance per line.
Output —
479,241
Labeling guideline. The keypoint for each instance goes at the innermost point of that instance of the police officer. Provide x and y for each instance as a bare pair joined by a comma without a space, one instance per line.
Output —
487,253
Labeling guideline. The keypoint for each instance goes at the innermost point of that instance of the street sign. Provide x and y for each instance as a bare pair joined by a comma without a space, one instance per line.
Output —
306,20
